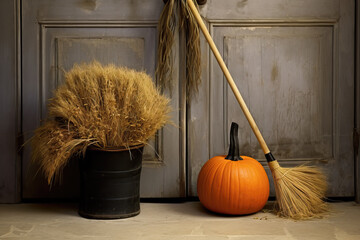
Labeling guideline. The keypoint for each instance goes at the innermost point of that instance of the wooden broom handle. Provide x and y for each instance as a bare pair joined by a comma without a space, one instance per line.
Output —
229,78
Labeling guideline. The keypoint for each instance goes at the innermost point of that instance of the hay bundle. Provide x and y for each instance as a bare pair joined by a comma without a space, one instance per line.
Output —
101,106
168,24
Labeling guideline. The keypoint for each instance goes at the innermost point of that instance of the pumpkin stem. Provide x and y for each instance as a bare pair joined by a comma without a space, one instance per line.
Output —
234,143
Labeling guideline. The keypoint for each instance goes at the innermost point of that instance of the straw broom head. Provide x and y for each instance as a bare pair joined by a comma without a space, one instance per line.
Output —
299,191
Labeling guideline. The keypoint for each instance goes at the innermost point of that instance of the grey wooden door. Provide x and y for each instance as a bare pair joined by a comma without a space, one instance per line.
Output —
293,62
55,35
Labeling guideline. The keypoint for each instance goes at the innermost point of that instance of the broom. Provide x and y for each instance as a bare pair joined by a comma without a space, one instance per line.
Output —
299,190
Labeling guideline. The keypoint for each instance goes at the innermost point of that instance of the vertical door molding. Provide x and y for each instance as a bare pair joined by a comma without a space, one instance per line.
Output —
357,100
10,162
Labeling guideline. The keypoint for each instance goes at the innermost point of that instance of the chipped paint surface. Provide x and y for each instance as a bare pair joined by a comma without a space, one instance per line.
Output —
242,3
278,74
274,72
89,5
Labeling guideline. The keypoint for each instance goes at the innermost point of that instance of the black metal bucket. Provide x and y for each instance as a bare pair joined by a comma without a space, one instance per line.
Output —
110,183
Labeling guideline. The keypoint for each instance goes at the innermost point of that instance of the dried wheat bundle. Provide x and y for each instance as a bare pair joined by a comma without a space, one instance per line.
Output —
167,26
103,106
168,23
53,145
193,51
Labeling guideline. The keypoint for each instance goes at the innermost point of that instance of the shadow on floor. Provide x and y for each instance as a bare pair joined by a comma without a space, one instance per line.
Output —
196,209
68,209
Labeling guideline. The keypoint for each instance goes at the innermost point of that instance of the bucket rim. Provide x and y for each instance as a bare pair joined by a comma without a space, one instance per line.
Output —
115,149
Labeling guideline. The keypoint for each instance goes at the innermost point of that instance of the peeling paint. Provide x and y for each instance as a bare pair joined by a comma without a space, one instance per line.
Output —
242,3
88,5
274,72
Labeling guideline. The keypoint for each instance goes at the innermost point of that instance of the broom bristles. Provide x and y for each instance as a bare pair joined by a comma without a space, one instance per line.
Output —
299,191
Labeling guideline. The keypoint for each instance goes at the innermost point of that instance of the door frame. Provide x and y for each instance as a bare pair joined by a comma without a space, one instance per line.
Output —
10,92
357,100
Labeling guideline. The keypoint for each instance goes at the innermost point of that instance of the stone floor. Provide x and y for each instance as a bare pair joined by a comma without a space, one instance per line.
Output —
174,221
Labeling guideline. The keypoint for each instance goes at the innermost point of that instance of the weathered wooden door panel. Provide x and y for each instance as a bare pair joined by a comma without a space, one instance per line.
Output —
281,74
293,64
58,34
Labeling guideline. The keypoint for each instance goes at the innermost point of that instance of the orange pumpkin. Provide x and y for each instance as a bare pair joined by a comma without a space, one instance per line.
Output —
232,184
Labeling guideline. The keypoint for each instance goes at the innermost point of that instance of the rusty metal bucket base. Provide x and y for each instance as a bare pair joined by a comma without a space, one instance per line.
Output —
99,216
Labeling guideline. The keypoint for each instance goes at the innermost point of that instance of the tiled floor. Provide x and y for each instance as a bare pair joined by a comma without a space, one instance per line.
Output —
172,222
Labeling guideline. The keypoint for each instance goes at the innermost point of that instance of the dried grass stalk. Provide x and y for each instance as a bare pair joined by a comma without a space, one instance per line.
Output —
193,51
53,145
166,26
299,191
106,107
